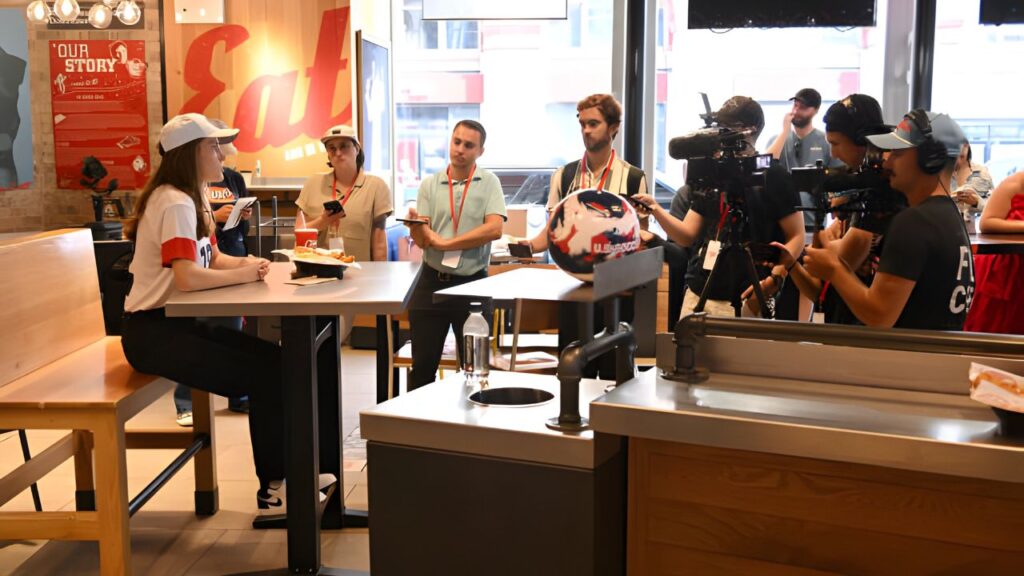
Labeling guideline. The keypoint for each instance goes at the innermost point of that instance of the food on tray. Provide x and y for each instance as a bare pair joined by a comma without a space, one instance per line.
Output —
322,255
996,387
999,378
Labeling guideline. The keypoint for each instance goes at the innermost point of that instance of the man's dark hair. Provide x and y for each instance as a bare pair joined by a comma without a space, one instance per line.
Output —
473,125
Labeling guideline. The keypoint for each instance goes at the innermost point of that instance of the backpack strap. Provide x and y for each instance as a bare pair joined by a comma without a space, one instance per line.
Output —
633,181
568,175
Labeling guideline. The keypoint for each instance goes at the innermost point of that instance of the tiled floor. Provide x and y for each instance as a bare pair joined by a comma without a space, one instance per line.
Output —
167,538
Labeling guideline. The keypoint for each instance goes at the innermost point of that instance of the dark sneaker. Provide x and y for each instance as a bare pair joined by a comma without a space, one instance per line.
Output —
184,419
273,497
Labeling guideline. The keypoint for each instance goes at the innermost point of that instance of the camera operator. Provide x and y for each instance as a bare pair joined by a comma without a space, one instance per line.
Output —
858,233
770,216
925,276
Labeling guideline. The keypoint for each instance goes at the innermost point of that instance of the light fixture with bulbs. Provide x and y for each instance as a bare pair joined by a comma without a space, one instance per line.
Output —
100,15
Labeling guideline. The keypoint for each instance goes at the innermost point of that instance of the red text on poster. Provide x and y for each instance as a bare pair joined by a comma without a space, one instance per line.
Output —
98,89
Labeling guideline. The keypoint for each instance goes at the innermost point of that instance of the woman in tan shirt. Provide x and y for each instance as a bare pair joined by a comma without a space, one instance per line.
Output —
366,200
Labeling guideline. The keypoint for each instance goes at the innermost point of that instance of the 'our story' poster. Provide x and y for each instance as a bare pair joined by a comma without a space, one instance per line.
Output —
98,90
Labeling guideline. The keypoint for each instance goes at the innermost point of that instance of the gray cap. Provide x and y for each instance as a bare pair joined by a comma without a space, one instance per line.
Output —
908,134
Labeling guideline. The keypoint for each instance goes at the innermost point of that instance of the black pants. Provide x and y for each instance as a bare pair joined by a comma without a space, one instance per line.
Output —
429,322
218,360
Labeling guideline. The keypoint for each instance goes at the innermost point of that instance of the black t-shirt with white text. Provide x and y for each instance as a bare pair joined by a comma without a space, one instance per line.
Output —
765,205
928,244
228,191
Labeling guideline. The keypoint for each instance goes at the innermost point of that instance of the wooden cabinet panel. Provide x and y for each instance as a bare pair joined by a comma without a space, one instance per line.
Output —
726,511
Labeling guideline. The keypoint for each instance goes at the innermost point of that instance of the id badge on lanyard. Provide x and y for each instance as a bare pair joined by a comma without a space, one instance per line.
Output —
452,258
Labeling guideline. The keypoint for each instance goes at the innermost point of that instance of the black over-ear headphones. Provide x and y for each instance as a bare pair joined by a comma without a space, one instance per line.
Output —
931,154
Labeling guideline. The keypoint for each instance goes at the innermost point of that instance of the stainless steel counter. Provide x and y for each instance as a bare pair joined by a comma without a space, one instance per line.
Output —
913,430
439,416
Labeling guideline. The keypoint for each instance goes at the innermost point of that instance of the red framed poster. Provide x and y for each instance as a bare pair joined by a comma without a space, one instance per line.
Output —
98,90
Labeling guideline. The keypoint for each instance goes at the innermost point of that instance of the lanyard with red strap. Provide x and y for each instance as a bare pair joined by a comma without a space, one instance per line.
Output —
451,196
825,285
724,214
604,175
334,189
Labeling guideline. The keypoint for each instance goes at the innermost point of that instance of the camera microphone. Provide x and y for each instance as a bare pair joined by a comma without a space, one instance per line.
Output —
700,144
704,143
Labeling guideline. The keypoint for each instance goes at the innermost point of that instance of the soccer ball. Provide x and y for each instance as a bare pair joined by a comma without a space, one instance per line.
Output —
590,227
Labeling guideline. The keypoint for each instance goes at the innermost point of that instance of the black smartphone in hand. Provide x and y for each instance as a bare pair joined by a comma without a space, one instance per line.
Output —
333,206
762,252
517,250
410,221
638,205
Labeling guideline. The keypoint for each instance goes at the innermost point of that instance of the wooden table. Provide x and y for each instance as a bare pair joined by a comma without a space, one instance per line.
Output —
376,288
997,243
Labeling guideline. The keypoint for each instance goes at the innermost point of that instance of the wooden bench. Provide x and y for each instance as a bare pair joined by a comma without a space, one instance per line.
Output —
59,370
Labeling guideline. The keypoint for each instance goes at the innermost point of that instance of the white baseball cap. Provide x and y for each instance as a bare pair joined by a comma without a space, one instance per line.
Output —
185,128
340,131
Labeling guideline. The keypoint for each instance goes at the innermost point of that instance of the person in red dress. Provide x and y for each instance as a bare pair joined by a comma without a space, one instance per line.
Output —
998,306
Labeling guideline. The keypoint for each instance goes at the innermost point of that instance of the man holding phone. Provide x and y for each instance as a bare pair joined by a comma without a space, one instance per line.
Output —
458,213
346,206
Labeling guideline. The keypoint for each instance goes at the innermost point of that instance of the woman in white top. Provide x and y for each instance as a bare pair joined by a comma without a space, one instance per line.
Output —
175,249
365,199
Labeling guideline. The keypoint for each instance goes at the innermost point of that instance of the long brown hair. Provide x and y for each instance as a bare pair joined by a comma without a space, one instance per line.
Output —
179,168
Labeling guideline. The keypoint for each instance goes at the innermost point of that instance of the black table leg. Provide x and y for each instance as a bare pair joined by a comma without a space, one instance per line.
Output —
384,355
311,362
328,378
299,363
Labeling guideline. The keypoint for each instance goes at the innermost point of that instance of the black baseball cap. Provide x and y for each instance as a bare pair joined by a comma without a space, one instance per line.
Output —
741,111
855,116
808,97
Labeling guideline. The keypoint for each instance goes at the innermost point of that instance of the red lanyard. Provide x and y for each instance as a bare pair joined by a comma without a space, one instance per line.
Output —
604,175
451,196
334,189
721,210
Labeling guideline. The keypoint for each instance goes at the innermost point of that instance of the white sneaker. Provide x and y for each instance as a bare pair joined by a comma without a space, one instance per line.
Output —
184,419
274,496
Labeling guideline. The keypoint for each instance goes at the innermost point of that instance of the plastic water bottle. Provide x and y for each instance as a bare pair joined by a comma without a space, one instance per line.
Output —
476,347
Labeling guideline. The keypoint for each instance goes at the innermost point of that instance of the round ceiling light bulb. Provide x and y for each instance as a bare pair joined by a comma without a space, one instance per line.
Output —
128,12
37,12
100,15
66,10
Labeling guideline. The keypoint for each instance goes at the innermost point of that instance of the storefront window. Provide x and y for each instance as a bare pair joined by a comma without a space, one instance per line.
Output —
977,79
520,78
768,64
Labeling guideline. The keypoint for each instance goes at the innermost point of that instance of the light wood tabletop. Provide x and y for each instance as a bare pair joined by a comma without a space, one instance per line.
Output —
375,288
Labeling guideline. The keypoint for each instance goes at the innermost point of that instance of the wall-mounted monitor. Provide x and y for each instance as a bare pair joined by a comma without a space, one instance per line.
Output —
1001,12
724,14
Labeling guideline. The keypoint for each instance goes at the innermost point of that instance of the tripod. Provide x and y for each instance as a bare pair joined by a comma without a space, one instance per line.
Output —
734,225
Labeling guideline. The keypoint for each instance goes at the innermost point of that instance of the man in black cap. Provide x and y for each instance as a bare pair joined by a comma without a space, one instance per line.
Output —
925,277
769,216
858,234
804,145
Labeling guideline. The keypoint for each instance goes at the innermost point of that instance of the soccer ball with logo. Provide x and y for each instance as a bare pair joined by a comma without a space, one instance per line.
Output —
590,227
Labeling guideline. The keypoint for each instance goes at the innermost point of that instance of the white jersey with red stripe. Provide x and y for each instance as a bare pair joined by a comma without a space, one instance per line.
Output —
166,232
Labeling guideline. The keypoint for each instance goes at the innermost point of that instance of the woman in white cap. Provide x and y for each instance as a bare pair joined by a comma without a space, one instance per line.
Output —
176,249
365,199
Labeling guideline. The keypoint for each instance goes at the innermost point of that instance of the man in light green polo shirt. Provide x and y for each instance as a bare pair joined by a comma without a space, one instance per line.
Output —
464,209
